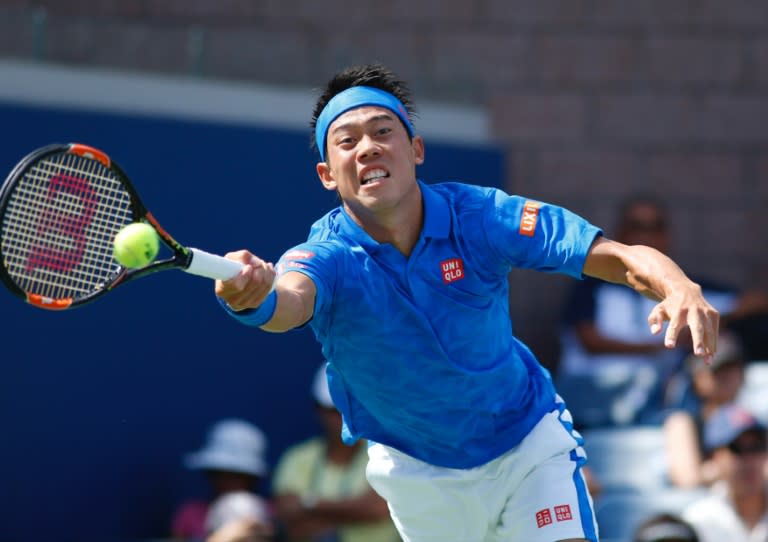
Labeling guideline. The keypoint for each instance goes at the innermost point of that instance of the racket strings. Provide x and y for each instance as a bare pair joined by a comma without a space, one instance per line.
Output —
59,225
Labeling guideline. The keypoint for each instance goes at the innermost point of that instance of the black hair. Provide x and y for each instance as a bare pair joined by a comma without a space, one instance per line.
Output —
369,75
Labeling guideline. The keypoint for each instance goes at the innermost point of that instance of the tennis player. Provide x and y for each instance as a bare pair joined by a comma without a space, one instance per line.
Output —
405,286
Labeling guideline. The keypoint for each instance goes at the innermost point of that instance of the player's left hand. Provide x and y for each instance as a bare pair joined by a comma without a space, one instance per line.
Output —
686,306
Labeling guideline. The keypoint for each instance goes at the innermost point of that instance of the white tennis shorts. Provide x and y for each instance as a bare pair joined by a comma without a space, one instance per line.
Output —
533,493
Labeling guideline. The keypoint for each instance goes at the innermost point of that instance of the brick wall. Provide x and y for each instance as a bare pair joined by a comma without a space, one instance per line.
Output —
592,99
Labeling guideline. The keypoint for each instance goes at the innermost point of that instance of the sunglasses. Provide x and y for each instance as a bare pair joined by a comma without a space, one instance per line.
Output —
645,225
753,447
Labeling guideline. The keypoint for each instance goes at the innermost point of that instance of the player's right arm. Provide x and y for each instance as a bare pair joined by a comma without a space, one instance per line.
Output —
253,285
295,302
656,276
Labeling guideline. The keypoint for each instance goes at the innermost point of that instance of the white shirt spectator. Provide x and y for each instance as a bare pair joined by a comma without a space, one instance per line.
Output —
716,520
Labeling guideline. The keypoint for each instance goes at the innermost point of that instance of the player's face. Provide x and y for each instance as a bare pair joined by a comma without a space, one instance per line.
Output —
370,159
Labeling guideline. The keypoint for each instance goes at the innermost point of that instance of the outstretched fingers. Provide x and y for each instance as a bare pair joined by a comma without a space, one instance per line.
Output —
702,320
657,317
704,324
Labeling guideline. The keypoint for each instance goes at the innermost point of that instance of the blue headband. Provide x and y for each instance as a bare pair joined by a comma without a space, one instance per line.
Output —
352,98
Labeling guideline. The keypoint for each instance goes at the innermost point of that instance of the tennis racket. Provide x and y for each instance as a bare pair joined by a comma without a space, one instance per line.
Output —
60,209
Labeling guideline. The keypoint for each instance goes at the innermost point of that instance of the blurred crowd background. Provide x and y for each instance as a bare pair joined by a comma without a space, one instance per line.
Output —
581,103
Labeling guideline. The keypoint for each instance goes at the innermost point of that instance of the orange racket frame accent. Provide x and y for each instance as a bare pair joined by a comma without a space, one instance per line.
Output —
48,303
89,152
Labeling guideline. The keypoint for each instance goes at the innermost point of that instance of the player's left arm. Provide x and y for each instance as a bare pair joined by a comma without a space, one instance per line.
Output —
656,276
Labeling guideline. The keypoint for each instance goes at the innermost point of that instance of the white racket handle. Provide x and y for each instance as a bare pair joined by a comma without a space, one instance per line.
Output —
209,265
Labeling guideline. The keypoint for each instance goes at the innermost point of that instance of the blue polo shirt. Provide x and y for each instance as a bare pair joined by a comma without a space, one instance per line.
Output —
421,353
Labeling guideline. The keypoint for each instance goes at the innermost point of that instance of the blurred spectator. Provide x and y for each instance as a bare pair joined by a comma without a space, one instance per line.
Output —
606,342
238,516
736,509
234,464
241,530
320,490
593,483
711,386
665,528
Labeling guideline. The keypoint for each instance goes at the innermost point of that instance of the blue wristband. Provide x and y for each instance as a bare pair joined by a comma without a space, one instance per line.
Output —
254,317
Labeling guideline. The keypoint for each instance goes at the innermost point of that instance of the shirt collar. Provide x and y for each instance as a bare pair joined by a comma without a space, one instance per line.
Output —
437,220
437,215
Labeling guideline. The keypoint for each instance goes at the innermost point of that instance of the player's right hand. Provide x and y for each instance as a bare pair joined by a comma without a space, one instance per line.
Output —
249,288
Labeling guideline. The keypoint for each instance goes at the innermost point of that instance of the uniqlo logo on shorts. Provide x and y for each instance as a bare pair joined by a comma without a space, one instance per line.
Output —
563,512
543,517
452,270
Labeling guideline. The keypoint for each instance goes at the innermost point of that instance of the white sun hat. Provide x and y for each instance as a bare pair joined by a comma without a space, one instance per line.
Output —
233,445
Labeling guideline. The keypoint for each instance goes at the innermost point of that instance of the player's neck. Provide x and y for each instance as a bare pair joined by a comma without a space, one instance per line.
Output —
401,237
399,226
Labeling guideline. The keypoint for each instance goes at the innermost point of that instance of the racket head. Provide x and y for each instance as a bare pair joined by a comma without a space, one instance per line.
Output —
60,209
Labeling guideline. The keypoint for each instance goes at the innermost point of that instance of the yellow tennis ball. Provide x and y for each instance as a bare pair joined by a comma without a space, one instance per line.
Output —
136,245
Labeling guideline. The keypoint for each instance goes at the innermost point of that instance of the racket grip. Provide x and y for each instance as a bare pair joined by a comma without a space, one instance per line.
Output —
209,265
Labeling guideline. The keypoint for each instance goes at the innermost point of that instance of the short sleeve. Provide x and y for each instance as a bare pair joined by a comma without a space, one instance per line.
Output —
536,235
319,260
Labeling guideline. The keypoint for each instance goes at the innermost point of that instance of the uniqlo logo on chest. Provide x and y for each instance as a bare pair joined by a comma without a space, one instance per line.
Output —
452,270
563,512
543,517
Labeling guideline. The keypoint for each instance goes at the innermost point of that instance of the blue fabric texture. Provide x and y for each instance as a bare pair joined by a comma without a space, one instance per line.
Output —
421,351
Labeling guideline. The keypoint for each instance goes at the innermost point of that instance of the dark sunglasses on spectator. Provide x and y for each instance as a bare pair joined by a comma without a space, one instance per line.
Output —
753,447
646,225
